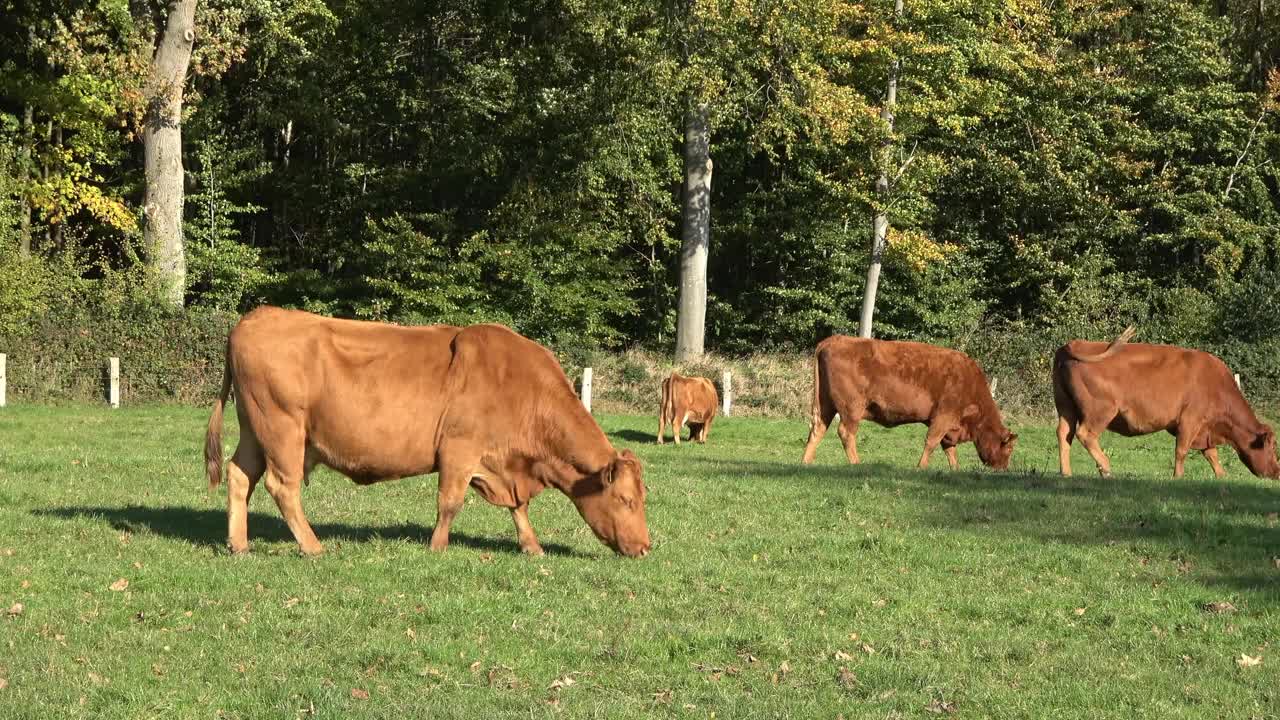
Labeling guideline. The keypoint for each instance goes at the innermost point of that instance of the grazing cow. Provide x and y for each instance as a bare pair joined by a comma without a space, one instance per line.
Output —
482,406
1137,389
894,383
688,401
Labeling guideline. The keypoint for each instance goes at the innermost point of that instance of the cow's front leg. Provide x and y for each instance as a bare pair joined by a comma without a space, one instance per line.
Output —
524,530
951,456
1089,439
937,431
286,490
449,498
848,432
1211,454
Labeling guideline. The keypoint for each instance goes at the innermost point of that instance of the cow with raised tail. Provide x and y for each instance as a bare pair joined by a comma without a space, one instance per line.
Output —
688,401
1138,389
893,383
482,406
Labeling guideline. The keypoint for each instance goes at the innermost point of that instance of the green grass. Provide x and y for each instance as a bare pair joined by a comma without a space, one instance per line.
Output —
1003,595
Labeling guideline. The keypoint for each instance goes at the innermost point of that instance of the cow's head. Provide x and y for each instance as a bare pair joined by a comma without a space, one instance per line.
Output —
612,503
1259,454
995,447
993,440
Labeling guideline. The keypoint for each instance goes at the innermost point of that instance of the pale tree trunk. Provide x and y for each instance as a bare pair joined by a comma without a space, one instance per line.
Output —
24,177
696,233
880,223
162,147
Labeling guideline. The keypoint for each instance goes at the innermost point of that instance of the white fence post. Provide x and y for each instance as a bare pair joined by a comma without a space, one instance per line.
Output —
1237,377
586,388
994,382
113,375
4,361
727,381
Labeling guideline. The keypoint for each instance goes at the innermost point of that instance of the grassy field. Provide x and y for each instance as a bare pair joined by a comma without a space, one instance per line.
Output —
774,590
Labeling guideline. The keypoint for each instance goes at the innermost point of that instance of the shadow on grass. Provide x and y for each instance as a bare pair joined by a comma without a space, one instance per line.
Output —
209,528
1223,525
634,436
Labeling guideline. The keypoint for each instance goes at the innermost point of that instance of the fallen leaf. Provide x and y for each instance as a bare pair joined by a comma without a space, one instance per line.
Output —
26,584
137,565
1218,607
411,634
868,649
563,682
1079,611
1273,518
16,609
940,706
847,678
842,655
119,585
97,679
4,683
785,667
359,694
1246,661
880,602
475,666
662,697
486,557
291,602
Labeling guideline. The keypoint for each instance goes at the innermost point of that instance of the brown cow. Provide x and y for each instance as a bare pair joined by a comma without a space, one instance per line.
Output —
1137,389
893,383
483,406
687,400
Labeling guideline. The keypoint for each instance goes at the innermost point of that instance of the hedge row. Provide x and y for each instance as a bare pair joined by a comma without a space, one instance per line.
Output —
178,359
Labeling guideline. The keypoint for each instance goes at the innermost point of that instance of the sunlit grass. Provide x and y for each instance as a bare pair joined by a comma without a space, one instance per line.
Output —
774,590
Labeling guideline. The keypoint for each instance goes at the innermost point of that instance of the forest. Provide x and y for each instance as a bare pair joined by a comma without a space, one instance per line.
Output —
1047,168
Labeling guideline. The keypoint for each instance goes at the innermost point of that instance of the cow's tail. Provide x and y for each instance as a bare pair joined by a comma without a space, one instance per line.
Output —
1112,349
213,436
815,410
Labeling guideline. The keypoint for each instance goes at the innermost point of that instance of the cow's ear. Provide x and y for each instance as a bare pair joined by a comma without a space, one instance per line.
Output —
1263,438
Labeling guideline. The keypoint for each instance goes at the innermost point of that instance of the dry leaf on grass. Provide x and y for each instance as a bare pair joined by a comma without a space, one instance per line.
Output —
1218,607
359,694
662,697
16,609
1247,661
4,683
119,585
291,602
1080,611
939,707
842,655
846,677
564,682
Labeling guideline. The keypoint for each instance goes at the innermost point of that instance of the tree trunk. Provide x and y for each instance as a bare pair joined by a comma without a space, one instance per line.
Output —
696,234
880,223
24,177
162,147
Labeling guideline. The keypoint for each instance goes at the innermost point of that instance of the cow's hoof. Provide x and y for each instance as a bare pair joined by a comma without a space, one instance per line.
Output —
238,551
532,550
314,551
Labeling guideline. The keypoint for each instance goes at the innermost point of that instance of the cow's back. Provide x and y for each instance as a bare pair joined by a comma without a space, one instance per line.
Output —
899,381
1149,385
369,395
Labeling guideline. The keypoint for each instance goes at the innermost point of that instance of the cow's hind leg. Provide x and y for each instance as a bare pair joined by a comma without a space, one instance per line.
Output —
818,424
286,471
706,428
1089,438
848,432
1066,434
243,472
678,427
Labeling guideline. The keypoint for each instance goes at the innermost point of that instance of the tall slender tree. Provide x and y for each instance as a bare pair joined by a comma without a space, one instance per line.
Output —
162,147
880,223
